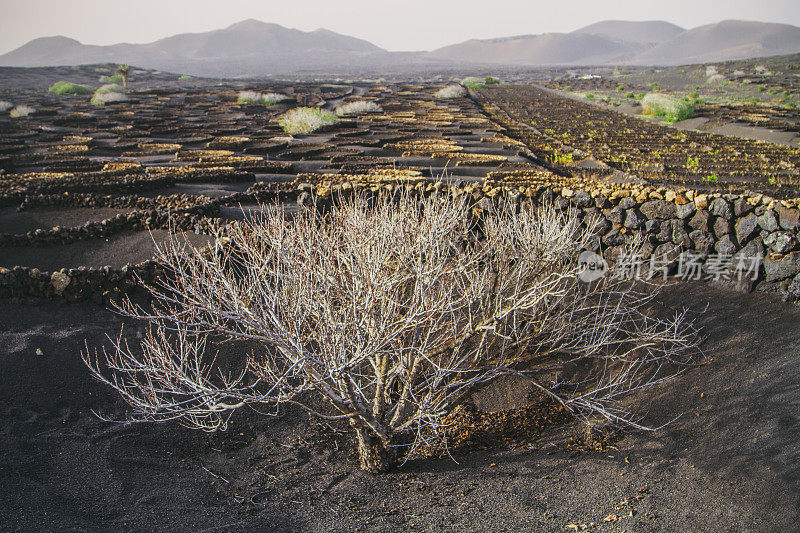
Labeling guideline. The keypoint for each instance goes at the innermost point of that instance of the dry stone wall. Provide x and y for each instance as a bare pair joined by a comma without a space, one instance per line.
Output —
712,229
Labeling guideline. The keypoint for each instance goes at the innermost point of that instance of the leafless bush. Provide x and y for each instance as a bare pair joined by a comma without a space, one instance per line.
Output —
392,311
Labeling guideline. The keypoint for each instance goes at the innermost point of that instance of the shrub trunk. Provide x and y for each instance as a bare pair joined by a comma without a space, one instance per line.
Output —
374,453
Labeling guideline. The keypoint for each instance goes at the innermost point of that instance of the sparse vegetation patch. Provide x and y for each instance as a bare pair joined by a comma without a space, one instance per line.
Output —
257,98
302,120
21,111
672,109
451,91
472,83
359,107
109,93
65,87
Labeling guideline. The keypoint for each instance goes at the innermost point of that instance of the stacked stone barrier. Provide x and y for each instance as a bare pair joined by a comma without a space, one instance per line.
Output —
668,222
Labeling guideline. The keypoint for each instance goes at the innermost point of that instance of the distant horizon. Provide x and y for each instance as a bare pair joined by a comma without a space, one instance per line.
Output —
412,26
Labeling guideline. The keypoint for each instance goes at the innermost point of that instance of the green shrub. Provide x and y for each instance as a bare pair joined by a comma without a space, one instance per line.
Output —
186,77
773,91
569,88
562,159
302,120
488,80
661,105
620,87
65,87
116,78
630,95
472,83
590,96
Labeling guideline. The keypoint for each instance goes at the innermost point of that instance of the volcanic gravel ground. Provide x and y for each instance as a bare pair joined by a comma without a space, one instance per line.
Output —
729,463
115,251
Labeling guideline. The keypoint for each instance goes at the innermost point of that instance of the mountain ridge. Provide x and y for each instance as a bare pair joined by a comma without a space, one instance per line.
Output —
252,47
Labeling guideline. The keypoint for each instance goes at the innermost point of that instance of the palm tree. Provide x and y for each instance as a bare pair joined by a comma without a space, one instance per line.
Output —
124,70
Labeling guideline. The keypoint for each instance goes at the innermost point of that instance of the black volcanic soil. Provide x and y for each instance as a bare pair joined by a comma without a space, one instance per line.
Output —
116,251
729,463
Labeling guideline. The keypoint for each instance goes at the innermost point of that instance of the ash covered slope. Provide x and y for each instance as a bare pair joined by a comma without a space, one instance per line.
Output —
621,42
726,40
648,31
545,49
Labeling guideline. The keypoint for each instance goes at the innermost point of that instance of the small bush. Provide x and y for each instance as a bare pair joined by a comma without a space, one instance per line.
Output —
116,78
302,120
569,88
109,93
186,77
391,309
660,105
488,80
257,98
269,99
249,97
359,107
110,88
451,91
21,111
589,96
620,87
65,87
5,106
630,95
472,83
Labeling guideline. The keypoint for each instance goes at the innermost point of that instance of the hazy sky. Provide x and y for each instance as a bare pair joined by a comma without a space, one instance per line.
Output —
403,25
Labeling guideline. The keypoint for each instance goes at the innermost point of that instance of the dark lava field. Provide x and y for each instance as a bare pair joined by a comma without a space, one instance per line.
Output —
87,192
